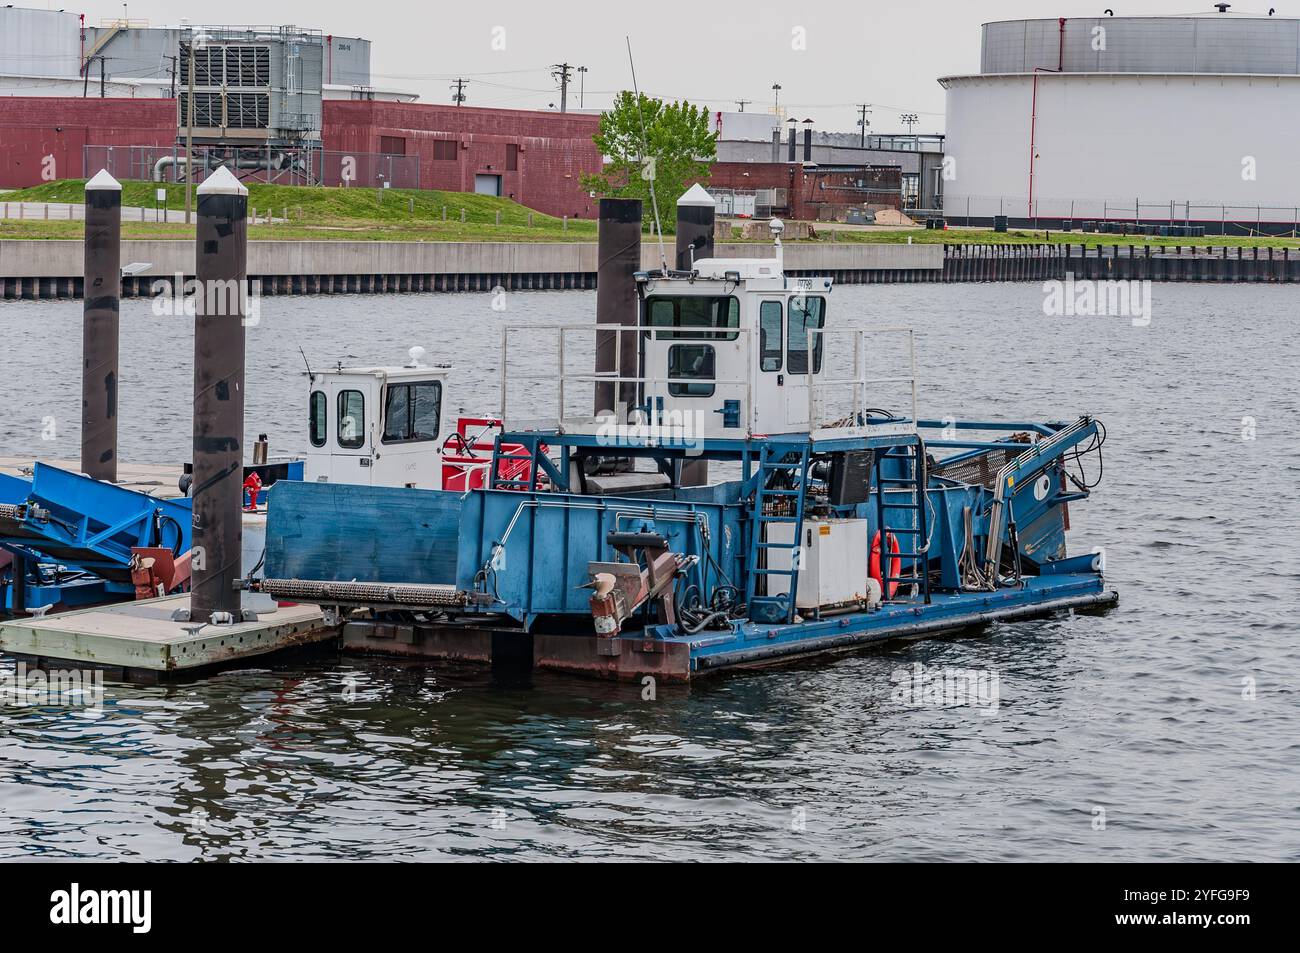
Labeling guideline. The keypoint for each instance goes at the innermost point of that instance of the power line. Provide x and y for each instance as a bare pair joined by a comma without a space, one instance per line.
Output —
471,75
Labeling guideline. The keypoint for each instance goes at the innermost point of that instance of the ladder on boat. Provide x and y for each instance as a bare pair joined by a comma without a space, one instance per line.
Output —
785,502
901,481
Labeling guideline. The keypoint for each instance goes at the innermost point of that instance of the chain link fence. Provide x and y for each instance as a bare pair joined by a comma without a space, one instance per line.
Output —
1218,218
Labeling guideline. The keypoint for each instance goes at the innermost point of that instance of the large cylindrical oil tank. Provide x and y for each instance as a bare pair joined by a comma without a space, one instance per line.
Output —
1154,118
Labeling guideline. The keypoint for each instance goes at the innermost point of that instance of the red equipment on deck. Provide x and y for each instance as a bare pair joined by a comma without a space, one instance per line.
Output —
895,563
252,486
157,571
467,468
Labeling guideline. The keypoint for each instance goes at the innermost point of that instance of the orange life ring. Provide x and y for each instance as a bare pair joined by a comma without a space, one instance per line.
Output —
895,564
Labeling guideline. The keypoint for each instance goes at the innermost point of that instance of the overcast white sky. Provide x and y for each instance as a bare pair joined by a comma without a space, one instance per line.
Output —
885,52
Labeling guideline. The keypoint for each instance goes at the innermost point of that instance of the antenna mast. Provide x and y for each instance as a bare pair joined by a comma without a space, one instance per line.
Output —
654,202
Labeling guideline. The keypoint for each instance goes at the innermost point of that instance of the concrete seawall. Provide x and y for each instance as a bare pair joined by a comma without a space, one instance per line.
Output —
52,269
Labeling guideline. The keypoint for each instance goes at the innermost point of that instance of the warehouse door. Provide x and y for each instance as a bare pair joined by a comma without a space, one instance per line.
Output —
487,184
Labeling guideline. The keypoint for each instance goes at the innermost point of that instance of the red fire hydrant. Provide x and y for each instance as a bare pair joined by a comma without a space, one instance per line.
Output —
252,486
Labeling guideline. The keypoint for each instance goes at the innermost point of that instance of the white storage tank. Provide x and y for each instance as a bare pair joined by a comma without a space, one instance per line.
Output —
38,43
1178,119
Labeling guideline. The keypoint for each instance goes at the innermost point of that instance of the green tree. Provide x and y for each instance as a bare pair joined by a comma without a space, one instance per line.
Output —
677,149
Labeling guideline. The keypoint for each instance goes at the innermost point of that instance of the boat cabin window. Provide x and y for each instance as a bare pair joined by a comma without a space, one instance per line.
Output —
806,314
316,410
352,419
411,411
693,316
691,370
769,335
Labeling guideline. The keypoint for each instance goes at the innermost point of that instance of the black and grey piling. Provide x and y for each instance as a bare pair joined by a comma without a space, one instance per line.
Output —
221,267
619,259
99,328
696,213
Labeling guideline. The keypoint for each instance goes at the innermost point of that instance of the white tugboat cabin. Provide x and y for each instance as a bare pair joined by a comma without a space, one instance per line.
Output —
386,426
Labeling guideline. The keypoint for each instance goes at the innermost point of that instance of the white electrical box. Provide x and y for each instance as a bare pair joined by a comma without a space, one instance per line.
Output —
832,558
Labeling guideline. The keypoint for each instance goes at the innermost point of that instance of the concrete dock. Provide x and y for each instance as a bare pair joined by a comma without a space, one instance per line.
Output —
152,479
138,641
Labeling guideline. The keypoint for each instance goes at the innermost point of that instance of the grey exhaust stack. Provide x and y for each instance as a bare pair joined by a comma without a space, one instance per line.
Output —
619,253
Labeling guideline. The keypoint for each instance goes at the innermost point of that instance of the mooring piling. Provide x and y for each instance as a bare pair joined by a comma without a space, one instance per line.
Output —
696,212
99,329
221,268
618,256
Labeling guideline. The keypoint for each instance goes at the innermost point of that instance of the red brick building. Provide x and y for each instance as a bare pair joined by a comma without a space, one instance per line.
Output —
32,128
535,158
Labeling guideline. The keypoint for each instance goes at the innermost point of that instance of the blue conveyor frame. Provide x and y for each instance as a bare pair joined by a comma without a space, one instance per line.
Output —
90,526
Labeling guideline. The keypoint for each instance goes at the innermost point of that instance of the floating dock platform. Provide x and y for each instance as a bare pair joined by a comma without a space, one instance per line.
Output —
138,641
671,655
156,480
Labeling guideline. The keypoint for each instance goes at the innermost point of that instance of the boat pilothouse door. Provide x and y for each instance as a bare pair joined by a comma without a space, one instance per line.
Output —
805,315
348,402
694,360
378,426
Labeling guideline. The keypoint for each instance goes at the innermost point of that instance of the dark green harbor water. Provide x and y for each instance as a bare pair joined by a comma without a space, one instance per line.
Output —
1167,729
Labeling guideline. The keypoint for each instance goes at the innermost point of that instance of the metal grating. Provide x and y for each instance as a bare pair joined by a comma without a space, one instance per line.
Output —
218,65
248,66
977,471
247,110
207,109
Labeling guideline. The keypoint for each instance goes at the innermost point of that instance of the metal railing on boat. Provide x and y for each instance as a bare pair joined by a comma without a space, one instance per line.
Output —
550,342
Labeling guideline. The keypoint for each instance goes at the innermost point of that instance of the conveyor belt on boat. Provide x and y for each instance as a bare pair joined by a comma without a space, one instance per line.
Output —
372,595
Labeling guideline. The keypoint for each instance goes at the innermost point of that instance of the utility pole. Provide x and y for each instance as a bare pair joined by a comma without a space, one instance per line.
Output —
742,103
102,93
459,96
561,72
864,110
582,86
910,119
173,59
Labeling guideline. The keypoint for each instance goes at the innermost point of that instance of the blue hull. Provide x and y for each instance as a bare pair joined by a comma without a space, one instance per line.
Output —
753,642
